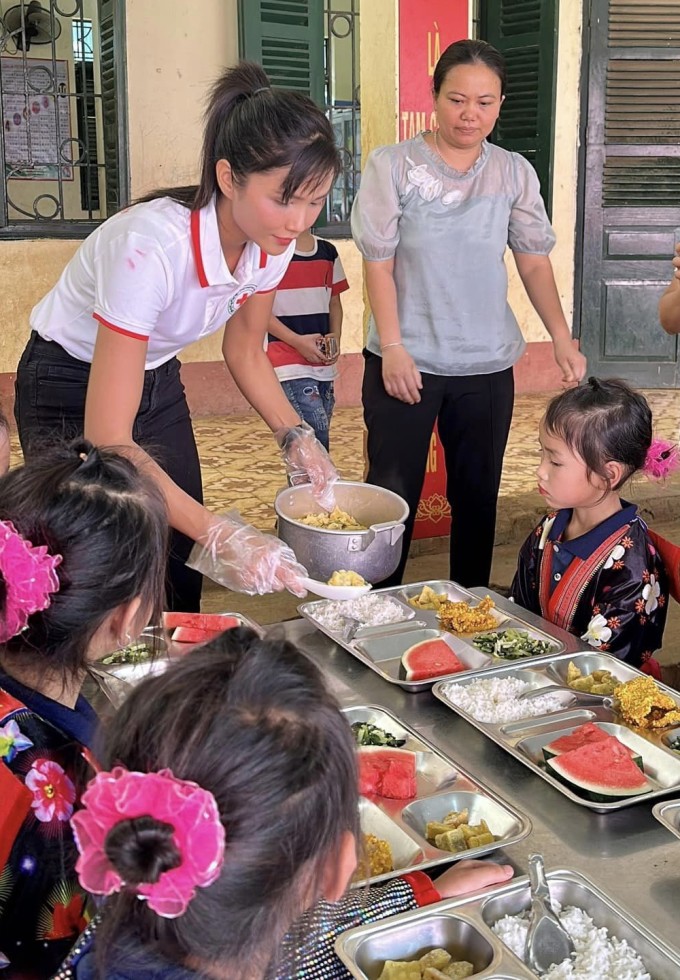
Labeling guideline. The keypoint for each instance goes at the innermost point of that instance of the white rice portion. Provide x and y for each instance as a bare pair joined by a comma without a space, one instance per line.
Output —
370,610
495,700
597,956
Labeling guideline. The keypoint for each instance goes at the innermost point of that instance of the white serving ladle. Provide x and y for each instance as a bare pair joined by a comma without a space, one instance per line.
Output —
338,592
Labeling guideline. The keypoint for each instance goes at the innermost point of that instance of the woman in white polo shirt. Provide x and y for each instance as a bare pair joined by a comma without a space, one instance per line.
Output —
102,357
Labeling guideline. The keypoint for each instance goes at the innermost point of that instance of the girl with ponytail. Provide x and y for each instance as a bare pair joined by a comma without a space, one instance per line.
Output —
177,266
82,563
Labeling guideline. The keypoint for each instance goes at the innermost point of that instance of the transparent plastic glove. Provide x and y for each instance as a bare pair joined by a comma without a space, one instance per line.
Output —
239,557
307,461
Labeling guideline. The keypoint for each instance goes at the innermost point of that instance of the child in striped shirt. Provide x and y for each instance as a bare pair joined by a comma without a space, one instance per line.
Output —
305,329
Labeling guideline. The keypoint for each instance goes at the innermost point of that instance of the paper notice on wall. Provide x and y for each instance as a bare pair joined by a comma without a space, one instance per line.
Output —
36,119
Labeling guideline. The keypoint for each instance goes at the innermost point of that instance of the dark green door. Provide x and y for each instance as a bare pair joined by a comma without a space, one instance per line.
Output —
631,199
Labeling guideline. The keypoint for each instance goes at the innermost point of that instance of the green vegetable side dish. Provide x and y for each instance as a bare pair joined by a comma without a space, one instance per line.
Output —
135,653
512,644
367,734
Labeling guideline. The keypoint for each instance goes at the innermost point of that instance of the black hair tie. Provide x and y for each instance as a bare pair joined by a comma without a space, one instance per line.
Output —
594,383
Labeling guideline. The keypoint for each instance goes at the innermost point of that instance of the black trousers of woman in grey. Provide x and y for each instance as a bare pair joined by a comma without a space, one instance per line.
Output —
473,415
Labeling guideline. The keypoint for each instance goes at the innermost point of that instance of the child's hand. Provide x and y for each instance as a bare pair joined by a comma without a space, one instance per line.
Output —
470,876
307,345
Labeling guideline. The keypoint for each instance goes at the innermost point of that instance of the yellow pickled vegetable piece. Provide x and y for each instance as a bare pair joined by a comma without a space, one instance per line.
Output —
343,577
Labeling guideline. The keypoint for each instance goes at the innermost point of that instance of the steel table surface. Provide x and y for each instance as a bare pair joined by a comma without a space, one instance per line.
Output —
627,853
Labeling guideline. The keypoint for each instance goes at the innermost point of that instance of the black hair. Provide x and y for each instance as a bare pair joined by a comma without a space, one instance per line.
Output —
250,720
108,522
259,128
469,52
603,421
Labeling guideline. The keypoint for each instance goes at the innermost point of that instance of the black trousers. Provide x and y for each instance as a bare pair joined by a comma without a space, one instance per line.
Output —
49,405
473,415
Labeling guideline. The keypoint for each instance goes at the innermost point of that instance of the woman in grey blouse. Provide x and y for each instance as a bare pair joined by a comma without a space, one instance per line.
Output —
432,220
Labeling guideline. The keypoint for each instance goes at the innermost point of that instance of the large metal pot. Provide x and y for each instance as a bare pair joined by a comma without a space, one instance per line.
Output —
373,553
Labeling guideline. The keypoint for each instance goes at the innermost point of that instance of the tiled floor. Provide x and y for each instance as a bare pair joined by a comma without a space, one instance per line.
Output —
241,467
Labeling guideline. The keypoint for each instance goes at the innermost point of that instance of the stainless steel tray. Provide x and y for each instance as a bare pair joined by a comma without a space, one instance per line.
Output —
668,813
133,673
463,927
381,647
524,739
442,786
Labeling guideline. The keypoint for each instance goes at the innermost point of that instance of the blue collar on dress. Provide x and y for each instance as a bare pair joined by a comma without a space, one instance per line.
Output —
79,723
584,546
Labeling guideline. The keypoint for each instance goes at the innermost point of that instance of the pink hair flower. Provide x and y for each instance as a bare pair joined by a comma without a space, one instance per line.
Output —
661,460
30,578
192,812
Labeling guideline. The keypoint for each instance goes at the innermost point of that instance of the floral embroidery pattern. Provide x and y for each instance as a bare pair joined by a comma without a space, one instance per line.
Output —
617,553
597,632
53,792
430,187
650,594
547,528
12,741
64,915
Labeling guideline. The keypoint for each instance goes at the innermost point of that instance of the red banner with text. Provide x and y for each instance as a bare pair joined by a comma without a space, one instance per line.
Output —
425,30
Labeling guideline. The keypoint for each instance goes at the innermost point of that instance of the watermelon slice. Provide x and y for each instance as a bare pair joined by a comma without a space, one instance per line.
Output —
602,771
199,621
183,634
387,772
429,658
587,734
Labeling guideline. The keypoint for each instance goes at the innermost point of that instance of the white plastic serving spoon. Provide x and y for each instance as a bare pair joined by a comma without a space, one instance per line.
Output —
338,592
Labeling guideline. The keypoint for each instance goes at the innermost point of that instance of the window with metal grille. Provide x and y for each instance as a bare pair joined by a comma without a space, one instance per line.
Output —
525,32
62,90
314,48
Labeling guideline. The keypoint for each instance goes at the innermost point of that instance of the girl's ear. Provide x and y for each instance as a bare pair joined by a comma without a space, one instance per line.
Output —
123,621
119,628
340,868
225,178
616,474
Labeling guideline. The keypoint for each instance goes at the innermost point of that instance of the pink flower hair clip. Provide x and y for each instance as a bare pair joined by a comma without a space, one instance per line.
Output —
661,460
192,812
30,578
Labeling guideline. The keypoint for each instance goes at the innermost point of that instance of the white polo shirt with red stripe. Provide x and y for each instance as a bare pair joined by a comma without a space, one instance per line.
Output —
156,272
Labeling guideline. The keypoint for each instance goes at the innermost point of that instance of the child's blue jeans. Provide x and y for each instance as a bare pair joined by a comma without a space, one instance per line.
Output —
314,402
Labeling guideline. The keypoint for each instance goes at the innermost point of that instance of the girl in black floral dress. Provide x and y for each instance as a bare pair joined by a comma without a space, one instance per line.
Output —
591,566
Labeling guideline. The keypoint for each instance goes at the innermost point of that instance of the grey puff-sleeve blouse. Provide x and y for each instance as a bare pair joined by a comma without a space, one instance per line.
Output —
447,232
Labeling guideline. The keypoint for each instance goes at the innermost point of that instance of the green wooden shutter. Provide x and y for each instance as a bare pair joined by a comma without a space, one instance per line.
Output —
286,37
525,31
114,102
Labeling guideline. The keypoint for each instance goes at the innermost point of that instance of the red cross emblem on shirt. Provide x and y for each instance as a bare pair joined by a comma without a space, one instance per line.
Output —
241,300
